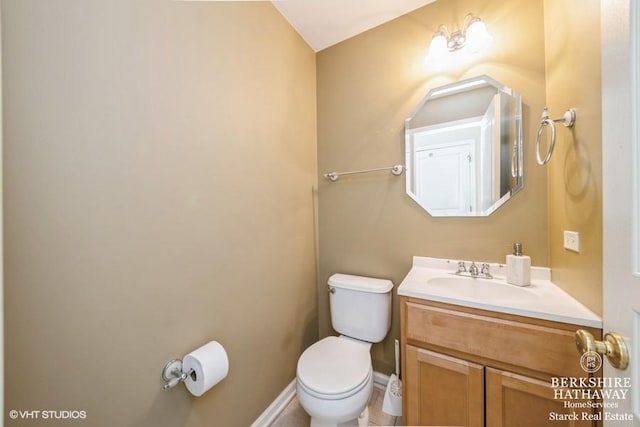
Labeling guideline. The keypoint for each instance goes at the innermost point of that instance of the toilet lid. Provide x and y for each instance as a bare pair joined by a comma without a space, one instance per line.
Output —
334,366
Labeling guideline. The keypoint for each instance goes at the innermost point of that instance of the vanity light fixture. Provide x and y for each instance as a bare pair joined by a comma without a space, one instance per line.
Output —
473,35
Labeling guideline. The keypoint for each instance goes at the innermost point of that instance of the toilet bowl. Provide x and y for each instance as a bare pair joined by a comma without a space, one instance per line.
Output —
334,381
334,377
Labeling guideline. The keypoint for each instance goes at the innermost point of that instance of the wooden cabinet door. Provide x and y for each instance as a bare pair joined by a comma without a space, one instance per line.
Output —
443,390
517,401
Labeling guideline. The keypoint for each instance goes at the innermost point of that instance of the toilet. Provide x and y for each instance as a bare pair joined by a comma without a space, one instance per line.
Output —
334,378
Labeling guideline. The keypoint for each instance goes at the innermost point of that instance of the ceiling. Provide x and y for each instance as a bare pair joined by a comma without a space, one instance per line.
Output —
323,23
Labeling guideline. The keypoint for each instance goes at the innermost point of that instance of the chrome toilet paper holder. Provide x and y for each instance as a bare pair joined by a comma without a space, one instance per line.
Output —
199,370
172,374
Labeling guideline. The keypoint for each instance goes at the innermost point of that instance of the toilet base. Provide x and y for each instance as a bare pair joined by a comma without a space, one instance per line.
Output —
337,412
361,421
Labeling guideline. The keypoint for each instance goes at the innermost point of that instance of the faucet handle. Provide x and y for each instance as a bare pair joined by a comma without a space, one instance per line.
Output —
462,268
486,271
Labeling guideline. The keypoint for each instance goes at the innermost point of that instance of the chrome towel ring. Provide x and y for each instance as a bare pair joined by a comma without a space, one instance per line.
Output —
568,119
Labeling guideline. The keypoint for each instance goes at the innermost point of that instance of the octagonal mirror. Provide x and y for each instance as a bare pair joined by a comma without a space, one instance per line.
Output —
463,148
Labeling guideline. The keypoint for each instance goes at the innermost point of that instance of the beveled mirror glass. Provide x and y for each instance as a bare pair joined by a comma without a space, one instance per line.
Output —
463,148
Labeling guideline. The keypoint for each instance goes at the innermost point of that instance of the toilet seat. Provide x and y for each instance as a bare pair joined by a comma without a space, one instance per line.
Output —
334,368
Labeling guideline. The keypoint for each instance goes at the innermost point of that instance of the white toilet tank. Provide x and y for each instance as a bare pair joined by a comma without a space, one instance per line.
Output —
360,306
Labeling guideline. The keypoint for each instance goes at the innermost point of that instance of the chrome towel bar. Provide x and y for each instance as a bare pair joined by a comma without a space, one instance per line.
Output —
395,170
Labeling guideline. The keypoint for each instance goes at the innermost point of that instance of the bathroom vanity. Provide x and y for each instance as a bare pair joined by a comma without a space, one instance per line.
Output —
479,352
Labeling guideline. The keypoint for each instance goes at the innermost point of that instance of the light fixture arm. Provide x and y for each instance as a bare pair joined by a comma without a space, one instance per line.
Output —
469,19
442,30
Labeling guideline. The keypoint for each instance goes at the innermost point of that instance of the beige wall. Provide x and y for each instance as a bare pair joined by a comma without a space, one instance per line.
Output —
367,86
575,170
1,244
159,165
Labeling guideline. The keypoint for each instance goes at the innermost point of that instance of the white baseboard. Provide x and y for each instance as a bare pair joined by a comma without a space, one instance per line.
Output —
270,414
277,406
380,380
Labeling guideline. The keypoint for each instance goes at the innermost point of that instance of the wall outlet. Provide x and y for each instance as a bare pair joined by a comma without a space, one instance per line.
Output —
572,240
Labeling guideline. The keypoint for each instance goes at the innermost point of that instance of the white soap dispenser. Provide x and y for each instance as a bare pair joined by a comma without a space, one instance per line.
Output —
518,267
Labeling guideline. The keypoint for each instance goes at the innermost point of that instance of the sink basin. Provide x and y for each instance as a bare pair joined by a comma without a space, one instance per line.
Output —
478,289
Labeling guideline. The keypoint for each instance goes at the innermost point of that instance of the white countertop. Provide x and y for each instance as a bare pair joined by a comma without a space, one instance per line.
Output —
541,300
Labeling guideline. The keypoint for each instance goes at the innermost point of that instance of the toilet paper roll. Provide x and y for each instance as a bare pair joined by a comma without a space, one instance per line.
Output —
210,365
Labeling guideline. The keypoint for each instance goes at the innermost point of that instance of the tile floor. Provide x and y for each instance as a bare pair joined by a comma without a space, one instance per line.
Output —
294,416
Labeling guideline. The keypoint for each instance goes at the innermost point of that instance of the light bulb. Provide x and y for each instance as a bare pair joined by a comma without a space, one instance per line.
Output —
477,36
438,47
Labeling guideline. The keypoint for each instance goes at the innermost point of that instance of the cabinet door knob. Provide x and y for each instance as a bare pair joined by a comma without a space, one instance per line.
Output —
613,347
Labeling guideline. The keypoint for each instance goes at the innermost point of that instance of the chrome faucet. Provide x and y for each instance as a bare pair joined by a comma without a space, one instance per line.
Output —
473,270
